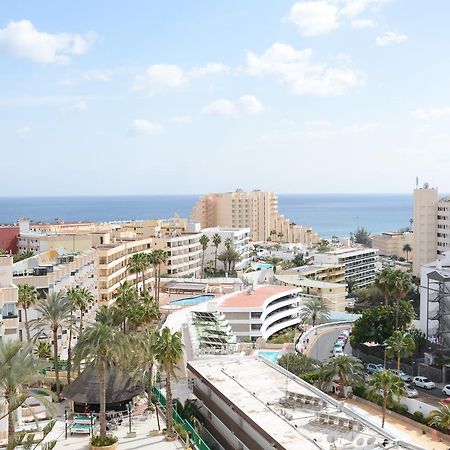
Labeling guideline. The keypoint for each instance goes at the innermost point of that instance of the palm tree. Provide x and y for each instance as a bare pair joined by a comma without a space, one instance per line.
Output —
149,307
124,296
55,313
401,284
407,249
168,352
273,233
102,343
19,369
280,235
156,258
134,266
82,301
440,417
384,282
389,385
216,240
43,350
204,243
28,296
315,311
228,243
400,345
348,369
72,295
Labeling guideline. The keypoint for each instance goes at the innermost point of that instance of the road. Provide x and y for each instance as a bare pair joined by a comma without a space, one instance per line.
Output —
322,345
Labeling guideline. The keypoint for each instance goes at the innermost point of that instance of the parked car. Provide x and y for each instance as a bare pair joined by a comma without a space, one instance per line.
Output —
342,339
446,390
410,391
423,382
403,376
337,351
374,368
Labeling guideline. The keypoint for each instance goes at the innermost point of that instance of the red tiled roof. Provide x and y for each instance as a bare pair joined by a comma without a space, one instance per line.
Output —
255,299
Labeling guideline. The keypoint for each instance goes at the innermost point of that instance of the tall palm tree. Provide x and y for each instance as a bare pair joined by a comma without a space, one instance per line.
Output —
55,313
149,307
168,352
156,258
315,311
72,295
43,350
228,243
280,235
19,369
401,345
124,296
28,296
102,343
401,284
348,369
134,266
273,233
389,385
216,240
440,417
204,243
82,302
407,249
384,282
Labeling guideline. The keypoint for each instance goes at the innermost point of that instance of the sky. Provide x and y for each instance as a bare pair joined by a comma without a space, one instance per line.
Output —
189,97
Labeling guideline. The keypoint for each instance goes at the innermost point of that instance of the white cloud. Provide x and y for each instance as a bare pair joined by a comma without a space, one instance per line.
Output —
247,105
182,120
80,105
390,37
357,128
294,69
159,77
144,127
209,69
318,17
23,132
23,40
431,113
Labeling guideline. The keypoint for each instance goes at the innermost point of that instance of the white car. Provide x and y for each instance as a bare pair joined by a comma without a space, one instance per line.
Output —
410,391
337,351
446,389
423,382
403,376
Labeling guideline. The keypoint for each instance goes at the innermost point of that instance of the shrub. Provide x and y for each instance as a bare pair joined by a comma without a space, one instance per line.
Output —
360,391
99,442
312,377
419,417
399,408
181,431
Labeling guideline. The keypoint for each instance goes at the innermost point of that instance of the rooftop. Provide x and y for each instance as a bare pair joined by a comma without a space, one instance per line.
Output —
316,421
344,251
256,298
307,282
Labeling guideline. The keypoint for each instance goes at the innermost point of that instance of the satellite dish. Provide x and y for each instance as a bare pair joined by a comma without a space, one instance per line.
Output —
331,438
371,441
359,442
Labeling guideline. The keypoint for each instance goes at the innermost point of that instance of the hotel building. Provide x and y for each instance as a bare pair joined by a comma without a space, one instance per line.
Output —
240,242
359,263
392,243
9,319
256,210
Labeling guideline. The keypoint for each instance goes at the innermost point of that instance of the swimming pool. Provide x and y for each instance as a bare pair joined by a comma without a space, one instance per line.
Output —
270,354
264,266
189,301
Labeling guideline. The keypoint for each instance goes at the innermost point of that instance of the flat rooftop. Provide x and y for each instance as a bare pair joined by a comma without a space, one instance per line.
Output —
255,387
349,250
308,282
256,298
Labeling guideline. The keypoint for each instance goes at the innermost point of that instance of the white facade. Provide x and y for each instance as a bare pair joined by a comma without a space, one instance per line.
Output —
240,242
359,263
9,321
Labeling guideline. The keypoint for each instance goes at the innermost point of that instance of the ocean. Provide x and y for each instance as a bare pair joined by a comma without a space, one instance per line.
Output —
328,214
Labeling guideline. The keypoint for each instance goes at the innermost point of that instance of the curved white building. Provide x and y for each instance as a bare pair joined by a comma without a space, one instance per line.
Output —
261,312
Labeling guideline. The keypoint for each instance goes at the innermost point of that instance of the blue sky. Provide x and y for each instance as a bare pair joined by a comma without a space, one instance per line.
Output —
146,97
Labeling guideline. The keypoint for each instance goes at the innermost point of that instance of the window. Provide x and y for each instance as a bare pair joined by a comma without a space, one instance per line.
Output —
255,315
9,310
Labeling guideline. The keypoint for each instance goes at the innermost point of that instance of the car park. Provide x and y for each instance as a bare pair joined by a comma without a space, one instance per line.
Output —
410,391
374,368
423,382
403,376
446,389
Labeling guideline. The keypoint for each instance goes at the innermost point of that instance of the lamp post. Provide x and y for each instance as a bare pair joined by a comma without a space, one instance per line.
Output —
65,422
386,347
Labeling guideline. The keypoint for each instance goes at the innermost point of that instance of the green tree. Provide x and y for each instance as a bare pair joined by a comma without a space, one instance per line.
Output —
348,369
440,417
28,297
314,311
72,295
168,352
387,385
323,246
401,285
299,260
43,350
102,343
363,237
124,297
204,243
137,264
298,364
400,345
384,282
216,240
55,313
280,235
407,249
156,258
19,369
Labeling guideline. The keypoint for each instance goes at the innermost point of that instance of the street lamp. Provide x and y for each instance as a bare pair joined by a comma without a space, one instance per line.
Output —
386,347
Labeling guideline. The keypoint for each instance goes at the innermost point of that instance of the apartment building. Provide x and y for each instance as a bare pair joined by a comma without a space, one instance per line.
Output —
256,210
9,319
392,243
359,263
240,242
8,238
333,273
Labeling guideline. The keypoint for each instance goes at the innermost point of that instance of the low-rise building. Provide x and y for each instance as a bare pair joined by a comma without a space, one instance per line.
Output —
333,273
359,263
9,319
392,243
240,243
8,238
262,311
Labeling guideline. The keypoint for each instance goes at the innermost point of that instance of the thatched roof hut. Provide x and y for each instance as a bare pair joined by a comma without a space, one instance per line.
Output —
120,388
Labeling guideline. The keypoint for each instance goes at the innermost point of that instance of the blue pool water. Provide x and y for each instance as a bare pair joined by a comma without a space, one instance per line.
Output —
264,266
192,300
272,355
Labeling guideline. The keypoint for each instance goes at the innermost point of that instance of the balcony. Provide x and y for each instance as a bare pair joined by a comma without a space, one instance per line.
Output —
11,322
